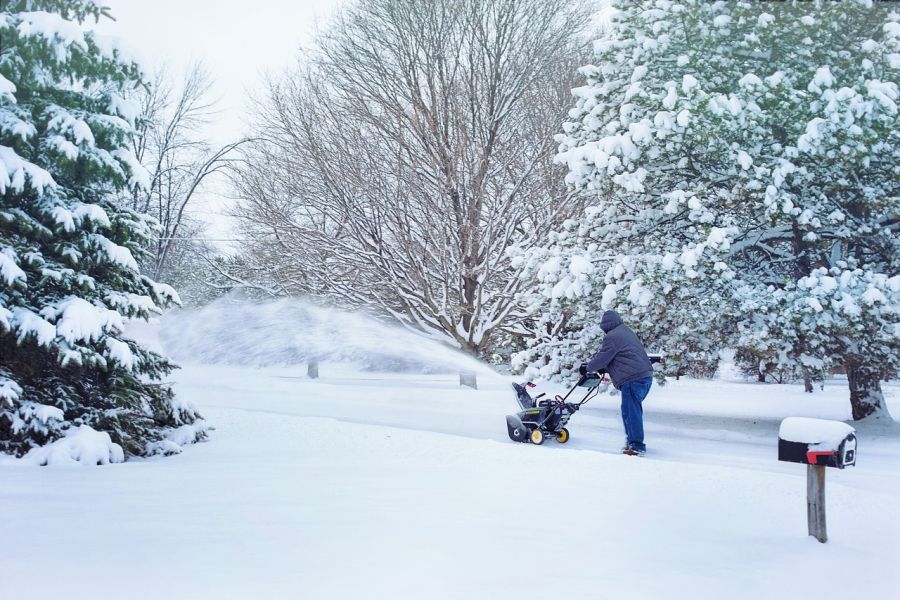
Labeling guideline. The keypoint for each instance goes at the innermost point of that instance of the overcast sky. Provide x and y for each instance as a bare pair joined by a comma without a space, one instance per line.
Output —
237,40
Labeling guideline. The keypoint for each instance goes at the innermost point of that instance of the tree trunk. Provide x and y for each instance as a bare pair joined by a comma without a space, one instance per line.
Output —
807,382
866,398
468,379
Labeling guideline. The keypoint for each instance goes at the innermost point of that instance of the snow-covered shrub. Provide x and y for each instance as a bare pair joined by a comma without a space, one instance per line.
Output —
731,152
79,445
68,274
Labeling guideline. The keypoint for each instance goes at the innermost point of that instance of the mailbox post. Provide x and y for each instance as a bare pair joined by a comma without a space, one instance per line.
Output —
817,443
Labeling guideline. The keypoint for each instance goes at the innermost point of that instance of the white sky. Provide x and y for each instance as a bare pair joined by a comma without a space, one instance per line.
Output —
237,40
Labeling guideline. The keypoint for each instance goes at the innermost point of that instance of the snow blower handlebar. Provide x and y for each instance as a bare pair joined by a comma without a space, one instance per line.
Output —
591,381
594,379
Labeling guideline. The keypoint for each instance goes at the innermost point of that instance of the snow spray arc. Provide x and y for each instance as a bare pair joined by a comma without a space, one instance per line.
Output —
294,331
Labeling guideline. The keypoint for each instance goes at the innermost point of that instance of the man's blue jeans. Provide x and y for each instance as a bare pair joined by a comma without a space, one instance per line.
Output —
633,394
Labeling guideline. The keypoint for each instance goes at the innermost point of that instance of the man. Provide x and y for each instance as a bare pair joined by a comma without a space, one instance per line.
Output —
623,357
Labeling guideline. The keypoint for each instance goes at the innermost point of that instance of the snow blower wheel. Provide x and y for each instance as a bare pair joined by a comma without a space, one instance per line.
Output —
537,437
562,436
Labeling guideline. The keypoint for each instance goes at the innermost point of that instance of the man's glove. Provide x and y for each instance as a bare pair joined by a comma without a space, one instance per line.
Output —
582,370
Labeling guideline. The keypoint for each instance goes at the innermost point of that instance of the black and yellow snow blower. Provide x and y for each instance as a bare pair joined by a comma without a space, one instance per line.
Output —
542,418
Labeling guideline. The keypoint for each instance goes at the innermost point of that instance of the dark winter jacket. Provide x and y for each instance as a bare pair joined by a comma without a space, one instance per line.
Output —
622,355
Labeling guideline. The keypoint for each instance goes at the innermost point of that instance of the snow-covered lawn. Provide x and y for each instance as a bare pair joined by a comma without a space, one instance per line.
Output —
405,486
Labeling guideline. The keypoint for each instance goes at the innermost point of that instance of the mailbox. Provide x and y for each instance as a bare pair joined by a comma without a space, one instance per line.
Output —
817,442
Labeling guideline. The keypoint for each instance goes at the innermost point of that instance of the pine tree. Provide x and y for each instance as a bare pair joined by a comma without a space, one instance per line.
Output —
743,162
68,274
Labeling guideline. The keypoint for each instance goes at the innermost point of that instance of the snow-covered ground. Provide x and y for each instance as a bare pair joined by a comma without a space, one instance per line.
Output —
405,486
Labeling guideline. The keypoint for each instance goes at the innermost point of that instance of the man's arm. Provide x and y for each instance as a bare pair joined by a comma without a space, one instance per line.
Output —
603,357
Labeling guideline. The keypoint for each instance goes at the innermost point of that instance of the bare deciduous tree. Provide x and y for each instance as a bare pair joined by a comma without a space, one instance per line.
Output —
170,143
399,164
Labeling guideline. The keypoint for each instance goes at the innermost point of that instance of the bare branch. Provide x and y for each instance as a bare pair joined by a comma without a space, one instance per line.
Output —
399,164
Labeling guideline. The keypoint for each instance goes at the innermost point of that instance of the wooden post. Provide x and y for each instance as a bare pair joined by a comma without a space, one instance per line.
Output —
468,379
312,369
815,501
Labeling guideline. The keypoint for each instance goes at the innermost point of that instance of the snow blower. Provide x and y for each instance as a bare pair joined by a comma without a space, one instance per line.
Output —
543,418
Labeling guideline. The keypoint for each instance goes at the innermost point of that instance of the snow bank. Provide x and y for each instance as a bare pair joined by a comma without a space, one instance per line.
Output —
820,432
81,445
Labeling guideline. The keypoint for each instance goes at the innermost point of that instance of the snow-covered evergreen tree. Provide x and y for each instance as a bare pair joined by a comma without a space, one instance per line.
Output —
68,275
743,162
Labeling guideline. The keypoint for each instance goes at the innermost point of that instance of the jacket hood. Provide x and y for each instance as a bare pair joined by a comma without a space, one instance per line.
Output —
610,321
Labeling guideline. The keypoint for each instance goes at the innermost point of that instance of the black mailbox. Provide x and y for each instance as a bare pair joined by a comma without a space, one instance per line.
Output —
817,442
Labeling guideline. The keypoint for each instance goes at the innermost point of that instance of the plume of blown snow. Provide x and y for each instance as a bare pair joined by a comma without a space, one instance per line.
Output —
296,331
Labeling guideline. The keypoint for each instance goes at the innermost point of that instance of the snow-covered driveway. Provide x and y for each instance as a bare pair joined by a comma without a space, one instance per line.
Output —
401,486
